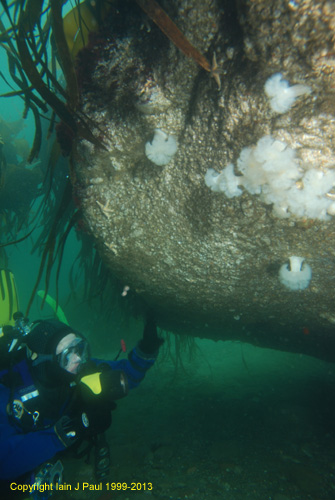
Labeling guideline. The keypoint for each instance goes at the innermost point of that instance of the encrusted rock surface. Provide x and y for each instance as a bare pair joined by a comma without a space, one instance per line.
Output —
210,264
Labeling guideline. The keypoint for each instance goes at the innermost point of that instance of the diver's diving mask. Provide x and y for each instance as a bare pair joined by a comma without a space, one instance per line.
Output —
74,355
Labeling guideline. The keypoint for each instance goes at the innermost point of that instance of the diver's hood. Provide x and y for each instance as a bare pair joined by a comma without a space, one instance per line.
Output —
43,340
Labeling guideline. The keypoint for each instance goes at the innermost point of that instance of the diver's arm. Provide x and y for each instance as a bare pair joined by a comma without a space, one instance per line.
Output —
135,366
22,453
141,357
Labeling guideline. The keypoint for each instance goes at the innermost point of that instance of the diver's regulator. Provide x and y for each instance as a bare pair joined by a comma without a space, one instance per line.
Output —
14,335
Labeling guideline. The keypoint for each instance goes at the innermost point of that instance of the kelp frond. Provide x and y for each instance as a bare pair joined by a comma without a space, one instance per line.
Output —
29,52
51,249
29,66
169,28
64,53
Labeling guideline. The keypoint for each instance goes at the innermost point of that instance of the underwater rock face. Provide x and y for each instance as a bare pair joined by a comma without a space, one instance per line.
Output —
209,264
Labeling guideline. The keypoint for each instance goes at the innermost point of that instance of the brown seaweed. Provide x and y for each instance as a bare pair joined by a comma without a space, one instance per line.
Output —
48,254
64,54
168,27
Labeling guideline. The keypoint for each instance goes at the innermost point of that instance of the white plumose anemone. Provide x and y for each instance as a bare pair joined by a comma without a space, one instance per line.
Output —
162,148
271,170
281,95
296,274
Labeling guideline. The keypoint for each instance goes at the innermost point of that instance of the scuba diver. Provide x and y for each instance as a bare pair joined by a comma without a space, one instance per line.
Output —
54,396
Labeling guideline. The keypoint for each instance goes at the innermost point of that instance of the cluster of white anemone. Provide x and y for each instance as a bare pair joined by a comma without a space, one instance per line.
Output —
272,170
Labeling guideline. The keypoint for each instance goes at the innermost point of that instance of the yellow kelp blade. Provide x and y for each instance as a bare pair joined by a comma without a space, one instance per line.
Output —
77,24
82,20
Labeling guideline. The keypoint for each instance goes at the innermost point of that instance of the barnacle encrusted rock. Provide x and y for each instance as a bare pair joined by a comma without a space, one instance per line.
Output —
207,263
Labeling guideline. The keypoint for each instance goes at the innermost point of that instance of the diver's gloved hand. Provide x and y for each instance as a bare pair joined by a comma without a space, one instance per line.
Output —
150,342
69,430
89,422
98,418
